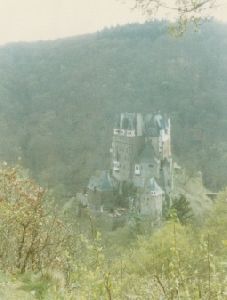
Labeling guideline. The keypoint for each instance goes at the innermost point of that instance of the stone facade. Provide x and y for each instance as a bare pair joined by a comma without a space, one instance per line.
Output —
101,190
141,157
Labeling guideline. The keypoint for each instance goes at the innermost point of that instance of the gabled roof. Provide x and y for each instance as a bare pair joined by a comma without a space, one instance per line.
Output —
147,155
152,186
101,182
150,126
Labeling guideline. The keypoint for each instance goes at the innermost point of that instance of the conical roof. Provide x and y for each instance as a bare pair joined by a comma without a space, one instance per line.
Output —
101,182
152,186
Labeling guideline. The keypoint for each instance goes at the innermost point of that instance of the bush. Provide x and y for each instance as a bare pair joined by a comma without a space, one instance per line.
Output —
32,237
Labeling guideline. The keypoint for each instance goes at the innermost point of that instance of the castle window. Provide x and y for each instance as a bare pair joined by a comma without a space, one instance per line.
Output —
117,131
137,170
116,166
122,132
131,133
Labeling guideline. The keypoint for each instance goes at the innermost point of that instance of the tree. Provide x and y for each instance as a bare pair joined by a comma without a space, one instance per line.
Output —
185,11
32,237
181,207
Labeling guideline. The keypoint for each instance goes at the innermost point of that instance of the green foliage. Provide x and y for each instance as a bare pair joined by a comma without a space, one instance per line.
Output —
32,237
36,285
59,99
171,261
58,103
216,225
182,209
186,12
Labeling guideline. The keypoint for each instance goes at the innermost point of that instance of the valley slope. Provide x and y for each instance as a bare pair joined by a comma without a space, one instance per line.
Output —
59,99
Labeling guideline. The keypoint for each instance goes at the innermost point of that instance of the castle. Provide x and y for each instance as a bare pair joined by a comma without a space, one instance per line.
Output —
141,164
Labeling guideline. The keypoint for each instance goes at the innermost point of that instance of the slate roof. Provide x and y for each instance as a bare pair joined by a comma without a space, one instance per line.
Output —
101,182
147,155
150,126
152,186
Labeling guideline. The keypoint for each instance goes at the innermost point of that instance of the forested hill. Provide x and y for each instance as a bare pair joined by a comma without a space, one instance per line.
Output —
58,99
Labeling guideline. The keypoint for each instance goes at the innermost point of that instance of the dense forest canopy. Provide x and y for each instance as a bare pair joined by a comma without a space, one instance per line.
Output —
59,99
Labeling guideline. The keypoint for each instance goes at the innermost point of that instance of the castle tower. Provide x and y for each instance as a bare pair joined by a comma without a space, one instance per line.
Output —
151,199
128,141
141,165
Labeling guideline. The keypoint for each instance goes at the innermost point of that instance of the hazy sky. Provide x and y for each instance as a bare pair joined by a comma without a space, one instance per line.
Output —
49,19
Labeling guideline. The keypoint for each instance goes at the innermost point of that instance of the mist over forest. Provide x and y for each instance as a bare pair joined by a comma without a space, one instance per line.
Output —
58,105
59,99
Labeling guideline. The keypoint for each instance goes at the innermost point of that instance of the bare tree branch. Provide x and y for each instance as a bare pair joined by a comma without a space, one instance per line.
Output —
181,7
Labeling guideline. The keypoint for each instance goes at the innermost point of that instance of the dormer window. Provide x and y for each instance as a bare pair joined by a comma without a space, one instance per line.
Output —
137,170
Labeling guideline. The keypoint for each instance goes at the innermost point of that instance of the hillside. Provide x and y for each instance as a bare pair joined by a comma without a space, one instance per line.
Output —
58,99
